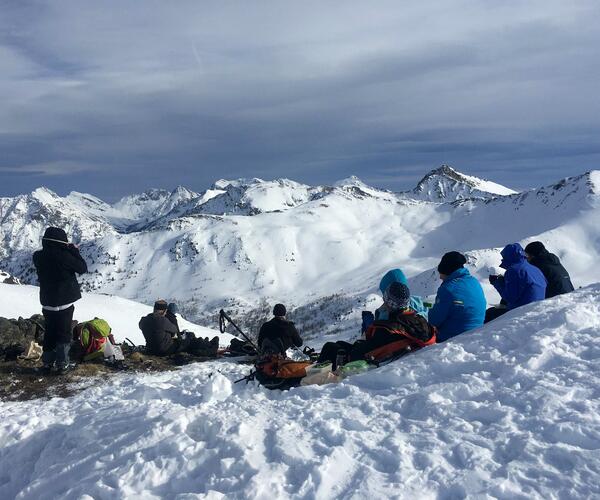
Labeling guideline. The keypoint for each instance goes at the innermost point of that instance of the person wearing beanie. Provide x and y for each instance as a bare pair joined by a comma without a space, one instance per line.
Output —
451,261
556,275
278,335
171,315
402,323
416,302
279,311
460,303
159,331
57,265
162,340
521,284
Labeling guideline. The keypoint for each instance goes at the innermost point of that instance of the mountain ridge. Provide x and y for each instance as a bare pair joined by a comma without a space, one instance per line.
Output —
330,246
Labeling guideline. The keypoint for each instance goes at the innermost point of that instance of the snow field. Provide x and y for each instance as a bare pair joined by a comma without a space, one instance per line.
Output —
510,410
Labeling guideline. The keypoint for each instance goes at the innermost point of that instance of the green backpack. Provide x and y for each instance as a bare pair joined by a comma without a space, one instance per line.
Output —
93,336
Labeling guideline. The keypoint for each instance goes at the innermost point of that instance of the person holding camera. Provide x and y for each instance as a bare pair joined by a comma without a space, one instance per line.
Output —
57,265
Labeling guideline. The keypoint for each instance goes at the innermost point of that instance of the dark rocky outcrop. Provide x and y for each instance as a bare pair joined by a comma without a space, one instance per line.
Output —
16,334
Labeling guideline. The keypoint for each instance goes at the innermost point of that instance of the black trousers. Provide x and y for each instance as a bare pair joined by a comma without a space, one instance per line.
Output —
358,350
494,312
58,335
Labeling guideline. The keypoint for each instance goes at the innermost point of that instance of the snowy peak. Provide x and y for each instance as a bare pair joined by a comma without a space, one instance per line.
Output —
153,203
252,196
445,184
581,191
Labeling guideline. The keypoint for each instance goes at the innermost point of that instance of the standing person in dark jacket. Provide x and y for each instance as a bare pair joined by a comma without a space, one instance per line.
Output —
278,334
558,278
521,284
56,265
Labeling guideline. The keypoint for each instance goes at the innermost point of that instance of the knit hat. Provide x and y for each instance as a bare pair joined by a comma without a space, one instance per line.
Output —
397,296
160,305
172,308
55,234
450,262
535,248
279,310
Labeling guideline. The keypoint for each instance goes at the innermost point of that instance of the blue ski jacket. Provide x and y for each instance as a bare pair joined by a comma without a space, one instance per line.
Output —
522,282
459,305
416,302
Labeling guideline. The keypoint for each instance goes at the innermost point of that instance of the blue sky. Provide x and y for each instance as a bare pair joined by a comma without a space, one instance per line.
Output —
115,97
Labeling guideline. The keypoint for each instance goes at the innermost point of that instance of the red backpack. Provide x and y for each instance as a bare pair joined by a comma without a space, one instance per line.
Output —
407,328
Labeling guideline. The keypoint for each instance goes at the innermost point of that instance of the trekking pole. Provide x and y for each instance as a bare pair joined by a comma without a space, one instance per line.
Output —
223,316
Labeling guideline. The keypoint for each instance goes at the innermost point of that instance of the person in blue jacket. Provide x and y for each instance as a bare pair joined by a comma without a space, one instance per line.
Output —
460,303
397,276
521,284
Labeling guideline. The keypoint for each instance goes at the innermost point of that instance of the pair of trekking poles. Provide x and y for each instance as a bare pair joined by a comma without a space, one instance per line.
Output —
224,318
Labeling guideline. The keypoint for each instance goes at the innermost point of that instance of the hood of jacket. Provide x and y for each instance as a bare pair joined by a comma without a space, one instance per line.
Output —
393,276
459,273
545,257
512,254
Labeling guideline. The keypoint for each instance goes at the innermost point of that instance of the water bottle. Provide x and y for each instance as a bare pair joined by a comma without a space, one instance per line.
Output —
340,358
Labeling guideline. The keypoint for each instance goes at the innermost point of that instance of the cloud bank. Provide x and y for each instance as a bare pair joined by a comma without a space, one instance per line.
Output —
114,97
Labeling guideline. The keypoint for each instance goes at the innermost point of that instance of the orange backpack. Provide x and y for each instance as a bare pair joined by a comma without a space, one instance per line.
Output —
276,372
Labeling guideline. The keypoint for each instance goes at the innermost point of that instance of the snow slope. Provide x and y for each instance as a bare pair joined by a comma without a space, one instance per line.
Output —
123,315
509,411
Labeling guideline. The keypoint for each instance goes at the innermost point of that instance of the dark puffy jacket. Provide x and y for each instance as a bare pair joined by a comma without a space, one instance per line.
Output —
280,332
158,332
556,275
522,283
173,319
56,265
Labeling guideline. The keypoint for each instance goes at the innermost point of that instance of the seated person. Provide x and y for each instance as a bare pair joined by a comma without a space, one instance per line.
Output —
161,336
403,323
278,335
460,302
521,284
416,302
556,275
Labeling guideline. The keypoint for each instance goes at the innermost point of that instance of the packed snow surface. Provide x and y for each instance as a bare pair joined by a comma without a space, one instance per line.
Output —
510,410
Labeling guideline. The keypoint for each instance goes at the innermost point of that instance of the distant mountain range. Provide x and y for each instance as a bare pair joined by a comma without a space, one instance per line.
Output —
245,243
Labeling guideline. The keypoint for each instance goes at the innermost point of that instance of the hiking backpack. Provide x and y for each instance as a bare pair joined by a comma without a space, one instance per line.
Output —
275,372
406,343
93,336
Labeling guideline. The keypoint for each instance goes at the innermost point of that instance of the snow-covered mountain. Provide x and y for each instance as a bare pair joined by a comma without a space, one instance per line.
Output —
446,184
153,203
244,244
510,410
